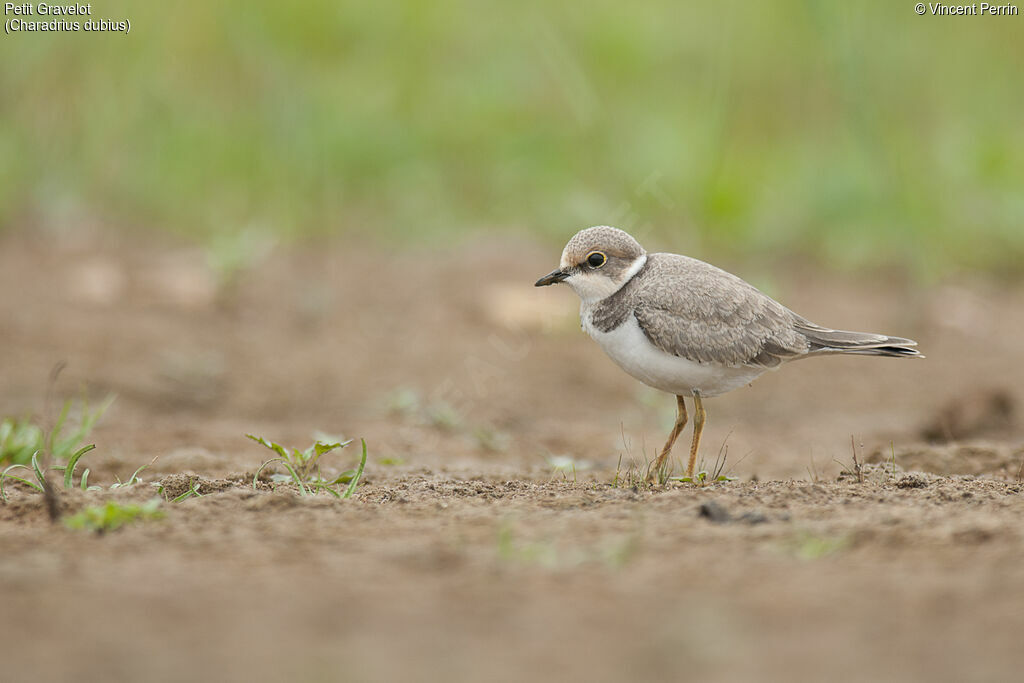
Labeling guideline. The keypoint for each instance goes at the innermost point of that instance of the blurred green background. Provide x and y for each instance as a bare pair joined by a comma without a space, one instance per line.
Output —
858,133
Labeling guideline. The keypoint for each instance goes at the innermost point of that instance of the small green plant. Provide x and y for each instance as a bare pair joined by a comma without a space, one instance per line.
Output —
661,475
618,470
303,467
632,478
36,470
132,480
717,474
702,478
21,438
192,492
114,515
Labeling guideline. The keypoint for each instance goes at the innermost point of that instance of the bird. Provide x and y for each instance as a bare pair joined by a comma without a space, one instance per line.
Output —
691,329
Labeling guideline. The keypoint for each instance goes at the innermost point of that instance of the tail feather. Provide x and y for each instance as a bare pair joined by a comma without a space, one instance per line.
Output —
823,340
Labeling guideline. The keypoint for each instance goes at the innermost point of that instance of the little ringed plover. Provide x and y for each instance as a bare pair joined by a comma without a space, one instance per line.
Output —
686,327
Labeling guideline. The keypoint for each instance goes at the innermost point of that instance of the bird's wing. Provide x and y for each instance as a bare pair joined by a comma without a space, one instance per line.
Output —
696,311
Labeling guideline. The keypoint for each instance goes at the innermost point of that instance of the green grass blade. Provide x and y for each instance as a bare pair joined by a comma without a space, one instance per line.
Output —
256,476
324,485
192,491
69,469
38,470
29,482
135,475
359,473
85,479
6,475
295,477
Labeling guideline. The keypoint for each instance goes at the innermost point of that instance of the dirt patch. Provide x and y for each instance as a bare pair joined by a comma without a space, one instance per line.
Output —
175,485
977,414
985,458
498,533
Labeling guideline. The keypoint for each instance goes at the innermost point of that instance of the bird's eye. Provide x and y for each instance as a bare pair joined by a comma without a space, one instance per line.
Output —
596,259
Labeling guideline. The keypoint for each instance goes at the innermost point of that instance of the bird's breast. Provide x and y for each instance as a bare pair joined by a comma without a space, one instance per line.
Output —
631,350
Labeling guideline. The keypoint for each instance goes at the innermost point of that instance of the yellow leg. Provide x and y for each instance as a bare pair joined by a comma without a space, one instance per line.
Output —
681,417
699,417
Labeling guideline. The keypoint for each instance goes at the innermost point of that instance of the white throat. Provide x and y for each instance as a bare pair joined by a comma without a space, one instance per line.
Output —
595,286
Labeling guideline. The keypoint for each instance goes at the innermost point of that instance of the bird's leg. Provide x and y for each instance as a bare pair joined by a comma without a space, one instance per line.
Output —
698,426
681,417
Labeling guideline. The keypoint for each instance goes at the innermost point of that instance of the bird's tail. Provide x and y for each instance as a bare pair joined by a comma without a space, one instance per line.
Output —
824,340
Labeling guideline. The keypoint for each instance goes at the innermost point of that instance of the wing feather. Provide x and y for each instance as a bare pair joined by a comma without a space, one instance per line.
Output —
696,311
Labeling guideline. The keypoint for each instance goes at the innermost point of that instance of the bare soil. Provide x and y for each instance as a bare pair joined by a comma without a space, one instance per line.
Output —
500,533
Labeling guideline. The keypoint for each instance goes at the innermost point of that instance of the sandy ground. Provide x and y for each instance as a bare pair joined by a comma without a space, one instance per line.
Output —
498,534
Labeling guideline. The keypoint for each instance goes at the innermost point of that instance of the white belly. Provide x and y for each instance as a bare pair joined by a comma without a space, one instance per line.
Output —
629,347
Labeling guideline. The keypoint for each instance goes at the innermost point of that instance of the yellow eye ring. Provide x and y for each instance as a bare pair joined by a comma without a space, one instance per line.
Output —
596,259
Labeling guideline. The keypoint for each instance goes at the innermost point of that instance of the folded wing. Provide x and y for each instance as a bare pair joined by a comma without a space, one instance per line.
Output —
696,311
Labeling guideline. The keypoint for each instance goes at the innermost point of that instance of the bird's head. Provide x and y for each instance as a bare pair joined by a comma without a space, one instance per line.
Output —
597,262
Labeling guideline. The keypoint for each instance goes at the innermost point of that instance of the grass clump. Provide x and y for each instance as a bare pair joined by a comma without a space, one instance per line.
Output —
25,445
717,474
304,470
114,515
636,477
21,438
37,478
39,474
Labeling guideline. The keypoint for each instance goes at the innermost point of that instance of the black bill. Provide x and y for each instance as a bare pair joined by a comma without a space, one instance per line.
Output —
551,278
